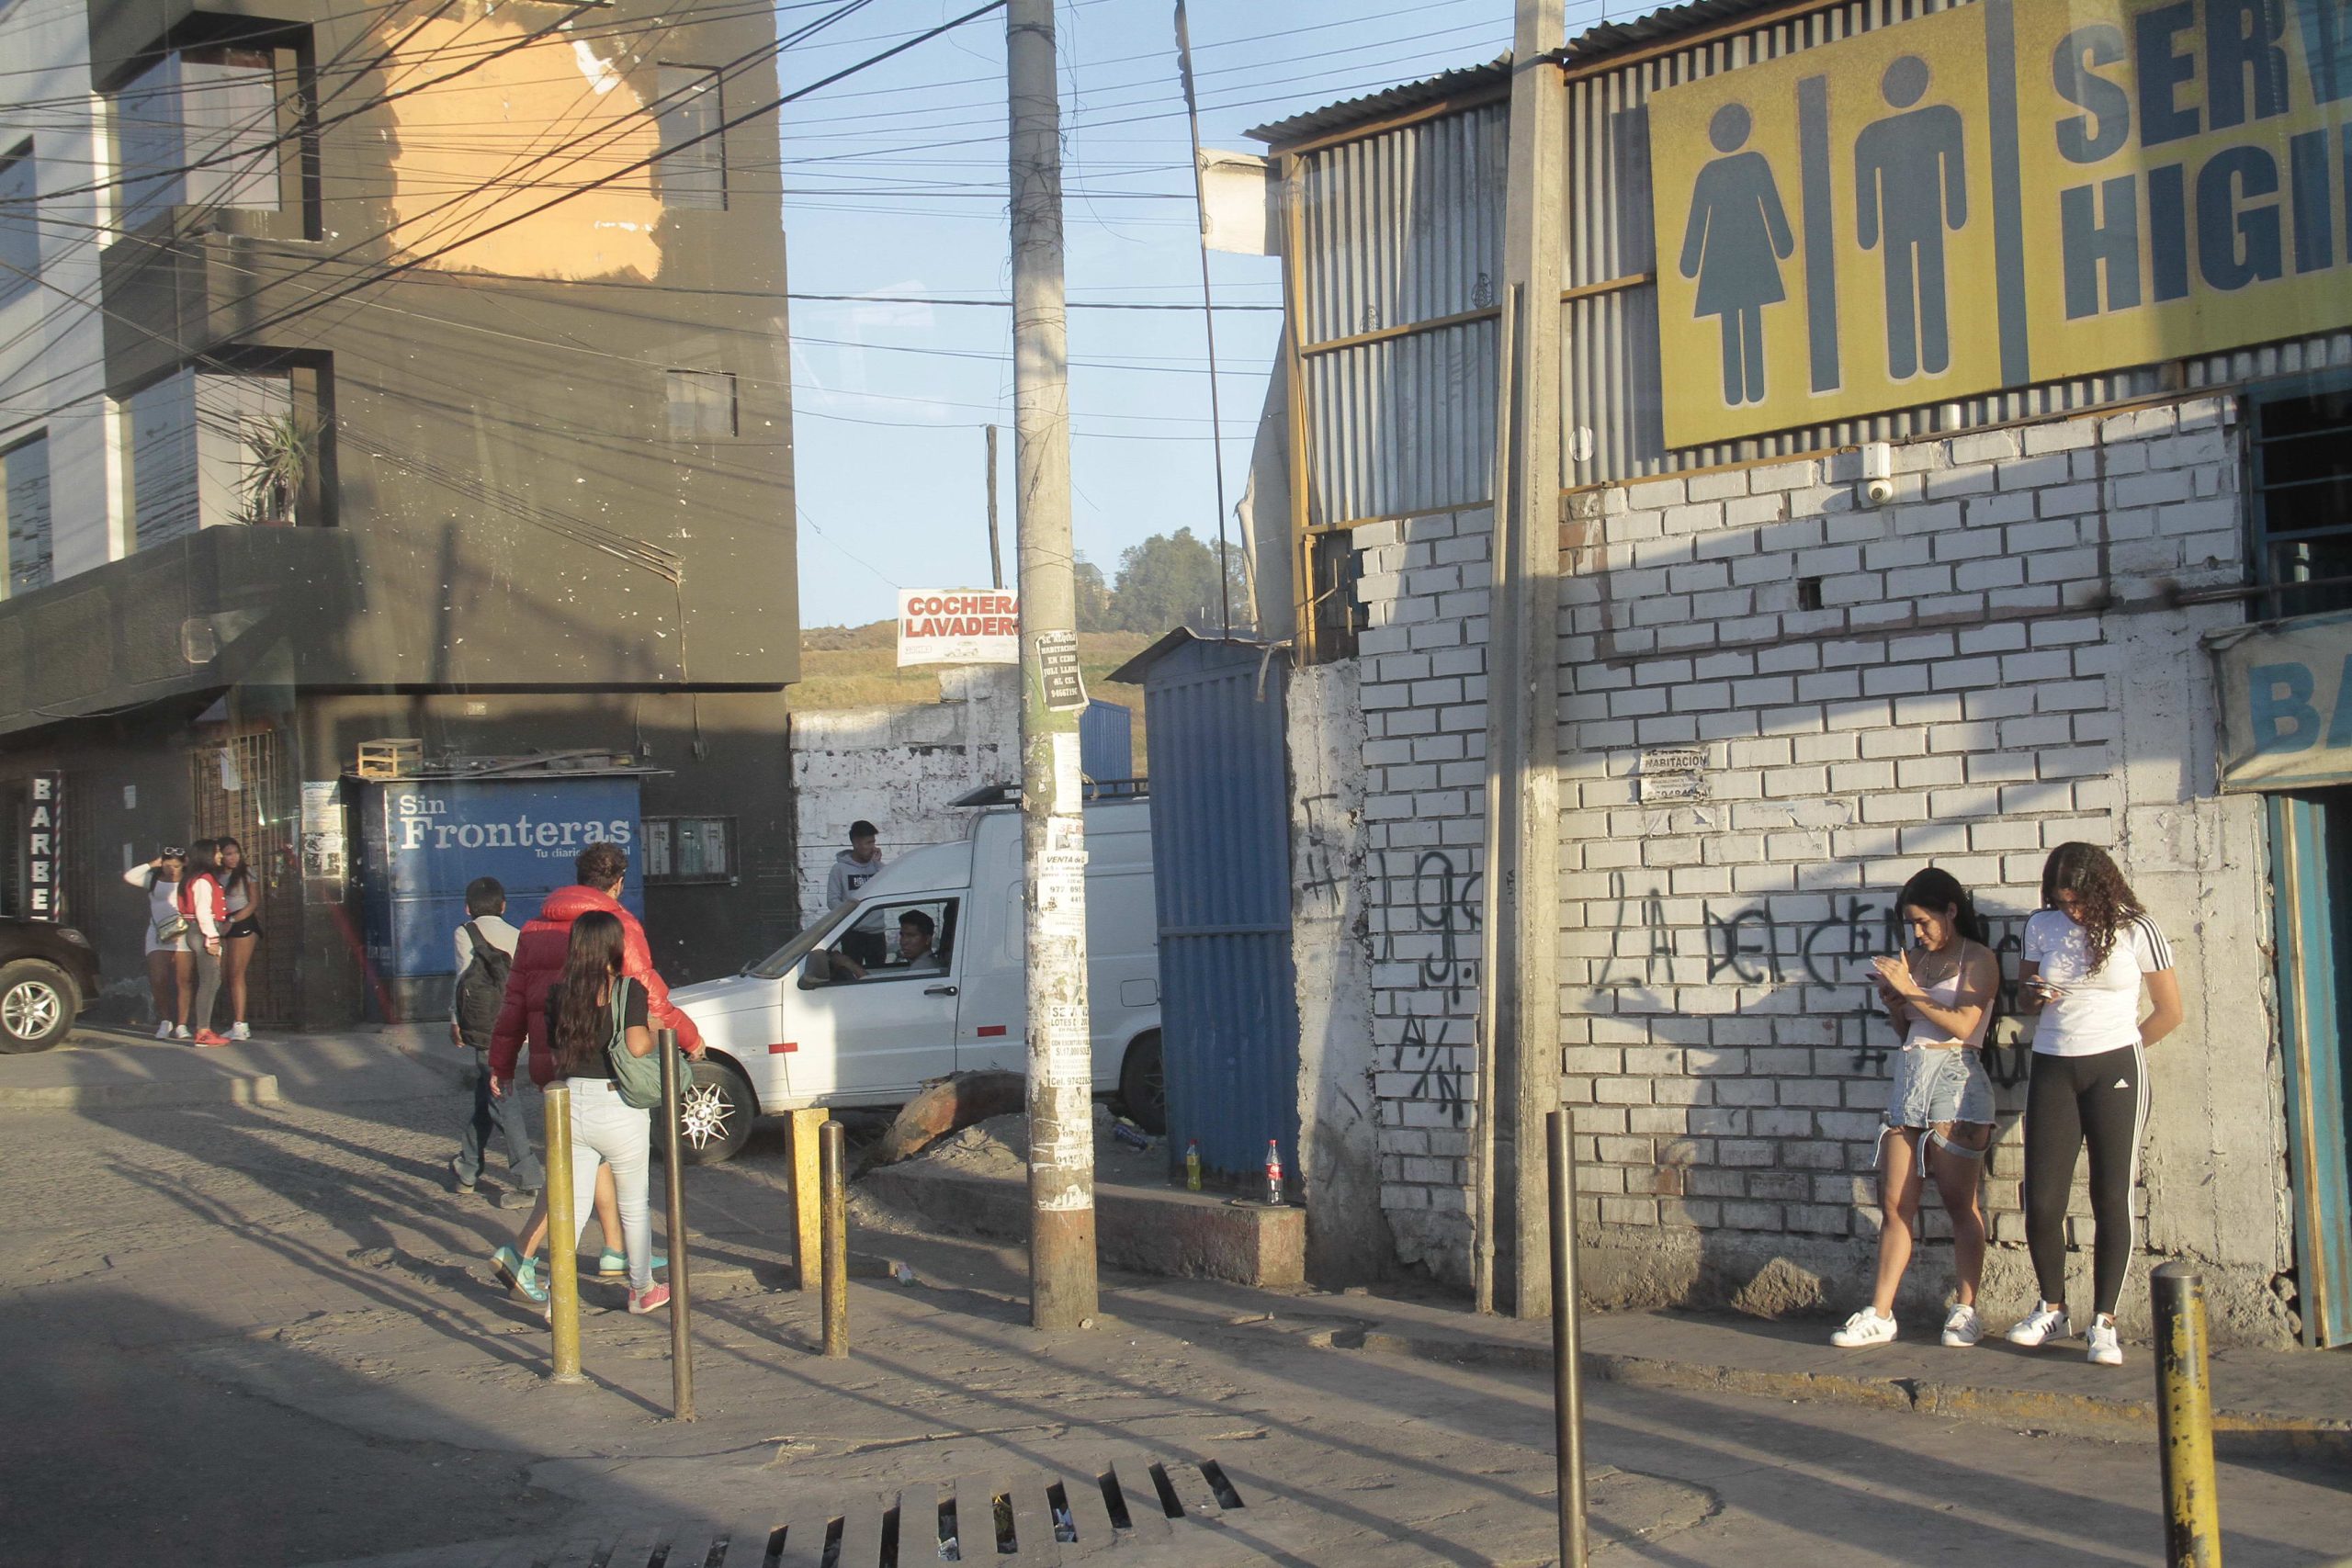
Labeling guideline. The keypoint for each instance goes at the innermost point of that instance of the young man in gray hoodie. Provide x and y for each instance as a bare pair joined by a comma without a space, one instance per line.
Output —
854,866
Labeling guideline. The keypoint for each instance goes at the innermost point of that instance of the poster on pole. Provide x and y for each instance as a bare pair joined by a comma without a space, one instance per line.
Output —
958,625
1057,671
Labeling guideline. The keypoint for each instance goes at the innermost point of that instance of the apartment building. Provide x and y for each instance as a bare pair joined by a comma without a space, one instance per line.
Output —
391,371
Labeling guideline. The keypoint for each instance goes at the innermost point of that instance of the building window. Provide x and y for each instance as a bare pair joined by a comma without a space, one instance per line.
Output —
19,230
216,448
693,176
702,405
2302,500
689,848
24,510
199,128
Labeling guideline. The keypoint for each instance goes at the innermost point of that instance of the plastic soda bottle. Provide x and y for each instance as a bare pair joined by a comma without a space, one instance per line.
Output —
1193,1165
1273,1174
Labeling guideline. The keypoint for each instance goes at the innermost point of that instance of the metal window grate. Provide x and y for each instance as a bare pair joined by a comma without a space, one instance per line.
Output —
2302,502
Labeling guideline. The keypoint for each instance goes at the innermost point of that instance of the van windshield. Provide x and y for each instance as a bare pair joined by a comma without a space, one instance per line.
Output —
777,964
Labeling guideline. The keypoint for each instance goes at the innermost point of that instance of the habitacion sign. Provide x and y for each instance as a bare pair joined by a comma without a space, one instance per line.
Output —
958,625
2286,693
1997,195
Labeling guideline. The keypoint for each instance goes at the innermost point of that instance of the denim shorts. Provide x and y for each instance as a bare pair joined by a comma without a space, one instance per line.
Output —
1932,1085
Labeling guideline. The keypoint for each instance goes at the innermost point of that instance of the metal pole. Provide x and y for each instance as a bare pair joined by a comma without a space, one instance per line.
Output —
996,551
836,1294
2185,1418
1208,311
681,1347
1567,1349
563,1238
1061,1076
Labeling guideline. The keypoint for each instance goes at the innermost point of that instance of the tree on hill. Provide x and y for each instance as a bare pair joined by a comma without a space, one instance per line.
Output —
1170,580
1095,612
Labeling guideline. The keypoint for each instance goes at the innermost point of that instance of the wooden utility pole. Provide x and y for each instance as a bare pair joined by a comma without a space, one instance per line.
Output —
996,552
1518,995
1061,1073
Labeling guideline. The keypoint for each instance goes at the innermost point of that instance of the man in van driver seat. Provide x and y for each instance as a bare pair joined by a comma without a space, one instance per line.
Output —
916,956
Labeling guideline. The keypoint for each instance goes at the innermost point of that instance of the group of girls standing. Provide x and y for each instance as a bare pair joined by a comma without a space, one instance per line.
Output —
203,924
2088,953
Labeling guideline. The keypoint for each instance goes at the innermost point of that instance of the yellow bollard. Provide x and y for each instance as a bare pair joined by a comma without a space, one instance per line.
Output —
836,1245
563,1238
808,1197
2184,1419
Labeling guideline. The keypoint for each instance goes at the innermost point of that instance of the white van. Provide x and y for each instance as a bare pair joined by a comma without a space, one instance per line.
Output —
920,976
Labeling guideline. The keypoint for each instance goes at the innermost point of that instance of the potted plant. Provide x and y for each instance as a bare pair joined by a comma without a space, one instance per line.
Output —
279,452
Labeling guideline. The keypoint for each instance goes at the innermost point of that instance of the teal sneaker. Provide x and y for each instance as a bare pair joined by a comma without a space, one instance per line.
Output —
613,1265
520,1275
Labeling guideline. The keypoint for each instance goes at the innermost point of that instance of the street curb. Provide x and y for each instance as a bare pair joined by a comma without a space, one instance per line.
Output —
2236,1432
256,1089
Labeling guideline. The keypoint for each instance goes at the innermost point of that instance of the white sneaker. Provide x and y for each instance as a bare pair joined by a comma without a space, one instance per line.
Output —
240,1032
2044,1324
164,1030
1865,1327
1962,1327
182,1032
2105,1351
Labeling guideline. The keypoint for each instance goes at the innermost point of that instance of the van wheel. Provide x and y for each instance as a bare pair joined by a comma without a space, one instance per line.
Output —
1143,1085
715,1111
38,1002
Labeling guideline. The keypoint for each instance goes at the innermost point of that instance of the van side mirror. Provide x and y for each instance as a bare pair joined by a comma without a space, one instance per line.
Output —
818,970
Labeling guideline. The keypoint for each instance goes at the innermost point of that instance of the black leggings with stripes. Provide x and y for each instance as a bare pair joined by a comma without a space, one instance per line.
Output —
2071,1101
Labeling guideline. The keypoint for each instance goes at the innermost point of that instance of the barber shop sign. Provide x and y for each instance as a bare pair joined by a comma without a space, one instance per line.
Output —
44,841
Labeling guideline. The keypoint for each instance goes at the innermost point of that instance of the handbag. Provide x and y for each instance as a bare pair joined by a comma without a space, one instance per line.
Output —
171,929
639,1078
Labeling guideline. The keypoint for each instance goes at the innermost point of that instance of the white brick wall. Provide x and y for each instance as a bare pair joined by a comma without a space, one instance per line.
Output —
1990,672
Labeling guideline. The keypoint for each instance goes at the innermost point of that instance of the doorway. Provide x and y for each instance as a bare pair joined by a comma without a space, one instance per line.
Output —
236,791
2312,861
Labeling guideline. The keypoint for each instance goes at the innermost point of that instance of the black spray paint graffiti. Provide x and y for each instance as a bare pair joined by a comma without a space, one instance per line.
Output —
1751,946
1445,905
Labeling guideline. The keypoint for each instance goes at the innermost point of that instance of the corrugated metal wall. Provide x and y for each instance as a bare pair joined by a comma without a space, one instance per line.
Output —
1220,852
1609,340
1402,228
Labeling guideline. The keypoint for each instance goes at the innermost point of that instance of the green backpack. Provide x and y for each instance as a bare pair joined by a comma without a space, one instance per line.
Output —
639,1078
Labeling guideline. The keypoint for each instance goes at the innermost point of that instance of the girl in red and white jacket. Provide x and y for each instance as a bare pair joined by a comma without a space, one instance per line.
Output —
207,908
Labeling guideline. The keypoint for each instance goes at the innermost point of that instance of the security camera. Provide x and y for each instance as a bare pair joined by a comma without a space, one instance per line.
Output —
1878,473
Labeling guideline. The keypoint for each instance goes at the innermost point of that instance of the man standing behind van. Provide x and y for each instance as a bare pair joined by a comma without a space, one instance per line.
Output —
854,866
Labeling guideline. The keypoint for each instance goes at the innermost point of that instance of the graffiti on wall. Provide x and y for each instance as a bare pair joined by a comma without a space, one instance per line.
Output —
1445,949
1752,946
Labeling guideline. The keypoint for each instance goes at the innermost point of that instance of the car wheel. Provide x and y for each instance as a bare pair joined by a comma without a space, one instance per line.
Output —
715,1111
38,1002
1143,1085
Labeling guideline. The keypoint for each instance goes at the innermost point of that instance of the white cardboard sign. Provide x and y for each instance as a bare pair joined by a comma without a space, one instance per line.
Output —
958,625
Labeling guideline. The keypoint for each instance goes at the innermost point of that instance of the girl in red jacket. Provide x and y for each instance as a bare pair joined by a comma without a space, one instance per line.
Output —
207,908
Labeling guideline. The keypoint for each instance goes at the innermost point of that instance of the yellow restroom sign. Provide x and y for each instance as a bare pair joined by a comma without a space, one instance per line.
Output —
2009,192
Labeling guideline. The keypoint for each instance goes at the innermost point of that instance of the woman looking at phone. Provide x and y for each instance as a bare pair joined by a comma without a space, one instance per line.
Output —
2087,952
1939,992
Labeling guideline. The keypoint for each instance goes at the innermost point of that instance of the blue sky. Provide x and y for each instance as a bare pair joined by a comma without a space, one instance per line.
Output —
909,159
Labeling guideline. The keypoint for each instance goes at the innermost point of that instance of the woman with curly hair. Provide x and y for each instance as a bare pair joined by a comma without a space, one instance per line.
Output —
2087,950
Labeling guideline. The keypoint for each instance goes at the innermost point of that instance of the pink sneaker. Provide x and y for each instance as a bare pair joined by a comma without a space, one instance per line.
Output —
652,1299
206,1037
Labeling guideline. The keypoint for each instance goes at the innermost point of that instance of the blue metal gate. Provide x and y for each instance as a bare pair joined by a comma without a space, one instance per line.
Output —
2308,879
1220,823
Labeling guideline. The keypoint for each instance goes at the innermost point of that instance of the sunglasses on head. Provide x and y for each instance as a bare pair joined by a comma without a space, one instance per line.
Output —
168,853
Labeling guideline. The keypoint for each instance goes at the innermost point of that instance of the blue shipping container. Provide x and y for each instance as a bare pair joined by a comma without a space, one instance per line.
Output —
422,841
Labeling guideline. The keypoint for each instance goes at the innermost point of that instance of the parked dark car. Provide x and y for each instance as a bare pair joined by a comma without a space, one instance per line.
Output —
48,974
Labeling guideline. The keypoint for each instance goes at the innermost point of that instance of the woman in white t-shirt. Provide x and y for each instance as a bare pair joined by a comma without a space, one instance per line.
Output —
160,880
2087,952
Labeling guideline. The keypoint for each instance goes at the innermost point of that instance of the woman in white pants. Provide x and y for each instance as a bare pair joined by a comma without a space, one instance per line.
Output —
592,1011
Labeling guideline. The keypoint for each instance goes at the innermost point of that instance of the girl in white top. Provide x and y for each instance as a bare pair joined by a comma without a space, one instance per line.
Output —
166,981
1940,1110
2087,954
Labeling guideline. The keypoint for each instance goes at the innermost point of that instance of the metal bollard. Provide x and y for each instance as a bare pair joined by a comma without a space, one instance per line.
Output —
2185,1418
682,1348
836,1303
1567,1349
563,1238
807,1199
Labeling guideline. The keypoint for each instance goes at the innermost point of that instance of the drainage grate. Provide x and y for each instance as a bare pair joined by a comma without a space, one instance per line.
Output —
1026,1519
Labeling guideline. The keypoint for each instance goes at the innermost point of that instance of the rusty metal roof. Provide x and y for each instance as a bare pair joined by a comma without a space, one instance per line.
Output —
1656,25
1405,96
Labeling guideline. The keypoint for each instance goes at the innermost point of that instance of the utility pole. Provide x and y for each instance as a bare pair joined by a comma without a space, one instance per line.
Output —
1053,840
1518,987
996,552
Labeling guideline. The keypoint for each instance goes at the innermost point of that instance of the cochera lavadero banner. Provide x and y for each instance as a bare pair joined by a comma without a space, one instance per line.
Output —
959,625
2003,193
